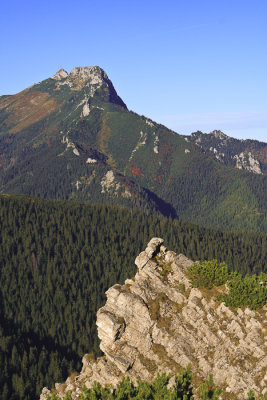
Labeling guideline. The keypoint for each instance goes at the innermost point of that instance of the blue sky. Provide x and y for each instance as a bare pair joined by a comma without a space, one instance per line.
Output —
188,64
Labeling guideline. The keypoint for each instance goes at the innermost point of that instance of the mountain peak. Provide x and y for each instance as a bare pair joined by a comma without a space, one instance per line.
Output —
219,134
94,73
92,78
60,74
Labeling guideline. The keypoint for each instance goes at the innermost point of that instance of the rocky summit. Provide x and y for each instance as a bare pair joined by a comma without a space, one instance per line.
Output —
156,322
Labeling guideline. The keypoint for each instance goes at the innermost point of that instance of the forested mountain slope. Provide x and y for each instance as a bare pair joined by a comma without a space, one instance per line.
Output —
59,257
72,137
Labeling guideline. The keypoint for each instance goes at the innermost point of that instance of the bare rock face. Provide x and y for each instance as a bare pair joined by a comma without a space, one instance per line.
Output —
60,74
91,78
156,322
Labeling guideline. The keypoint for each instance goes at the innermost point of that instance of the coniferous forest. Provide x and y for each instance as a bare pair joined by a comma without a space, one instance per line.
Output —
58,258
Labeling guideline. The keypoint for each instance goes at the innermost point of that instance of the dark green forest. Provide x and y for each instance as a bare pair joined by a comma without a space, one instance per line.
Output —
58,258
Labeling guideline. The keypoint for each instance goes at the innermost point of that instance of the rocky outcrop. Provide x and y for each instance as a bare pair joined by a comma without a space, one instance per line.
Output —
60,74
157,322
91,78
247,162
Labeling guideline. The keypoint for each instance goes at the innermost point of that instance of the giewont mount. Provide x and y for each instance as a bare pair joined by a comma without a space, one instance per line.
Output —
72,137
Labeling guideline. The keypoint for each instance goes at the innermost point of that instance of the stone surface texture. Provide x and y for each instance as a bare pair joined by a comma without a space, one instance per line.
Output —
156,322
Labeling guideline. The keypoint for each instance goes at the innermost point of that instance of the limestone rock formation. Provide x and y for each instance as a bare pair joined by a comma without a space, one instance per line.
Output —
60,74
157,322
91,78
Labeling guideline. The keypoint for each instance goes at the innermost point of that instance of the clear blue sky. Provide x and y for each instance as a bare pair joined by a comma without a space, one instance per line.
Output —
188,64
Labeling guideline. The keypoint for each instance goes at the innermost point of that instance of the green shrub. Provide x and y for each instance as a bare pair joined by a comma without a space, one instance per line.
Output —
208,390
250,291
208,274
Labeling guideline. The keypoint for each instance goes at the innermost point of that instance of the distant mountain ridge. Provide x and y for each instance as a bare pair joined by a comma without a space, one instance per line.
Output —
72,137
249,155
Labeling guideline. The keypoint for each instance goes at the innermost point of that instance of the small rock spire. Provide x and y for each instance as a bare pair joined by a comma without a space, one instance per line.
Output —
60,74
